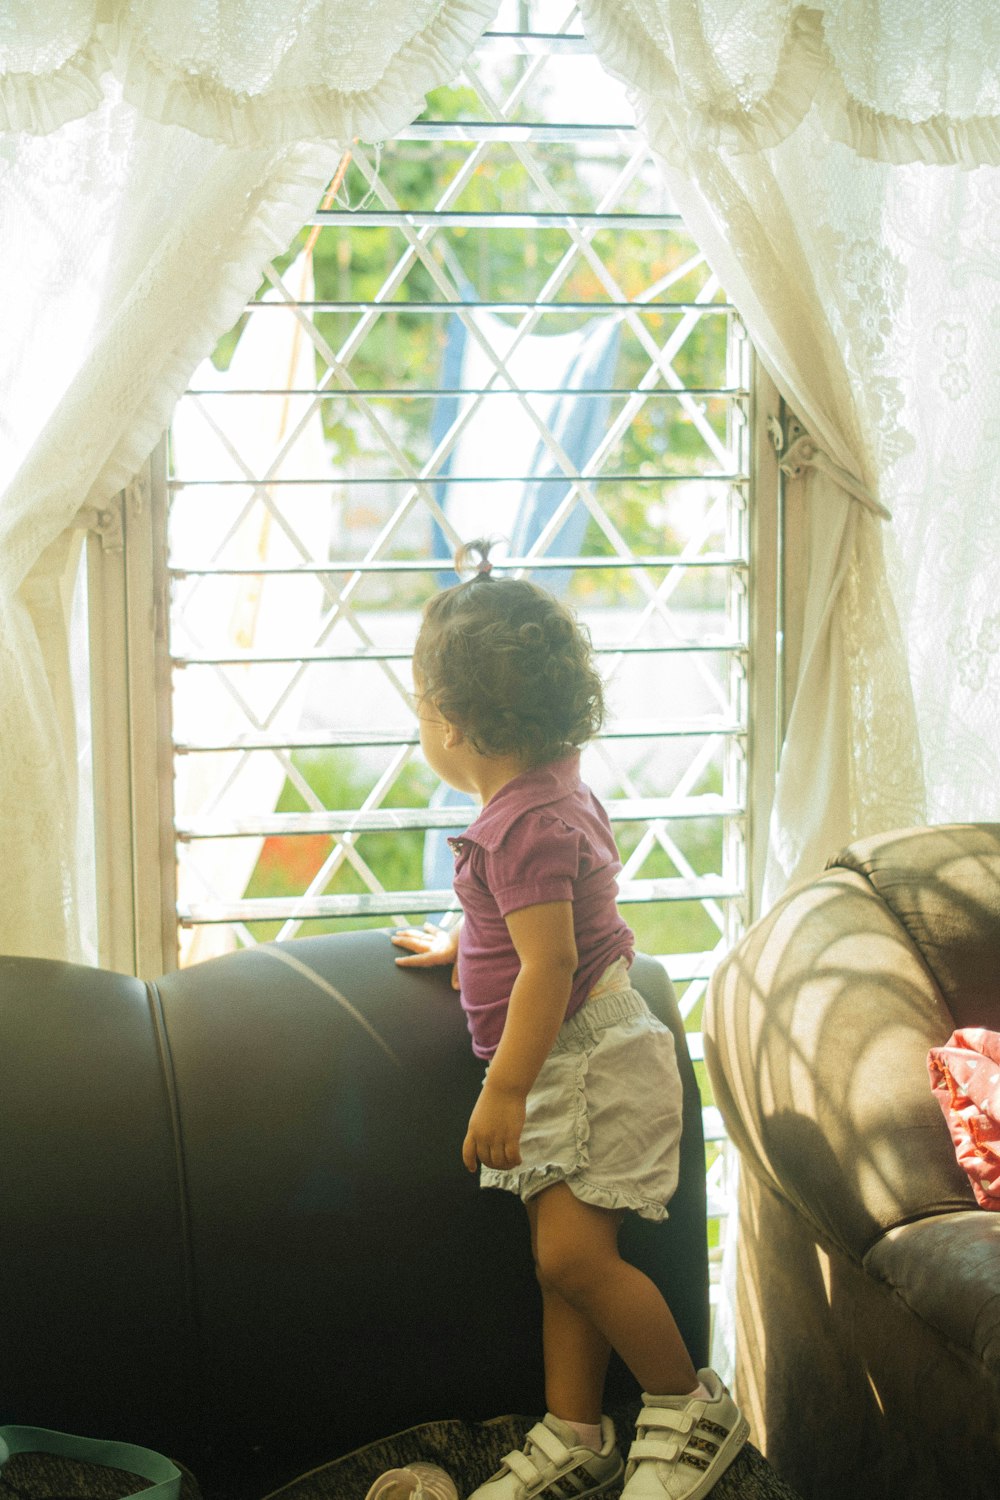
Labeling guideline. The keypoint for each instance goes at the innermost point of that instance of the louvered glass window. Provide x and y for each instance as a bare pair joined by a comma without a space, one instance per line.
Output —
496,325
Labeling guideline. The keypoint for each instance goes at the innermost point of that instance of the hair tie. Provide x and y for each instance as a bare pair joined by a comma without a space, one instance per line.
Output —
472,560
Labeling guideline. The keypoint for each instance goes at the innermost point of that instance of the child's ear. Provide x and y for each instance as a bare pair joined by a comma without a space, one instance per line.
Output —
453,736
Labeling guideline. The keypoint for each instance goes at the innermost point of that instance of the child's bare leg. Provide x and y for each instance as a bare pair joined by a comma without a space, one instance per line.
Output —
576,1353
577,1259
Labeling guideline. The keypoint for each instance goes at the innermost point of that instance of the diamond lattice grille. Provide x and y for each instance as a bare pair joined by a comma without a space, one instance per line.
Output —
508,332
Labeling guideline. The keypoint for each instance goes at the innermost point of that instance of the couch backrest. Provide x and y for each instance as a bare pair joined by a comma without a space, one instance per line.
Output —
819,1022
235,1213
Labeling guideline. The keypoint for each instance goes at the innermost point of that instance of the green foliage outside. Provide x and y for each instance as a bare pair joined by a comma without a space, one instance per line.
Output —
288,864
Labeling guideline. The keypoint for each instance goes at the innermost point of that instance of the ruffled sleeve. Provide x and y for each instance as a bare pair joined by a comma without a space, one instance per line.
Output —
537,862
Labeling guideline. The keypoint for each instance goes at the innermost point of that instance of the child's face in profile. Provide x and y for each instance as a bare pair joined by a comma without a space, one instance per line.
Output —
445,750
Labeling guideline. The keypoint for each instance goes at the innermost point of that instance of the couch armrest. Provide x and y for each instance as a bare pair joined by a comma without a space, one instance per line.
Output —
817,1028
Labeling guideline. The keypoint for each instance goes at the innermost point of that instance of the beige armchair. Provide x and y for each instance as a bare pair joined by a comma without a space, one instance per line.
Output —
868,1279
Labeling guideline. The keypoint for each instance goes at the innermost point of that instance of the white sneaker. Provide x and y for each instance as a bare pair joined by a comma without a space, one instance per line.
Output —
555,1465
684,1443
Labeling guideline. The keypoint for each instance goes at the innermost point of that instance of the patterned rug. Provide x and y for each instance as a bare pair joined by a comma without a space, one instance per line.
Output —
41,1476
471,1451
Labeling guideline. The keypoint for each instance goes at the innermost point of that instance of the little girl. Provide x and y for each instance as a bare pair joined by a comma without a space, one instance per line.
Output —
580,1109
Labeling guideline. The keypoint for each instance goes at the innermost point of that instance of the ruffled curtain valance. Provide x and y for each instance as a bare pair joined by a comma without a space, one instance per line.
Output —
897,81
236,71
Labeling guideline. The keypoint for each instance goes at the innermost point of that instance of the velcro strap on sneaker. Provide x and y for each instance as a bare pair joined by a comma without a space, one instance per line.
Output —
551,1445
665,1449
527,1472
667,1418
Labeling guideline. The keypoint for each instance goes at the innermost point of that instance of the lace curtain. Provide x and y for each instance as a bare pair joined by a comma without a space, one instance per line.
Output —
896,80
243,72
154,157
837,164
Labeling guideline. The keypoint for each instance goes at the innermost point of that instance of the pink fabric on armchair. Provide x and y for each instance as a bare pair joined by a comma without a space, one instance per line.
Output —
965,1078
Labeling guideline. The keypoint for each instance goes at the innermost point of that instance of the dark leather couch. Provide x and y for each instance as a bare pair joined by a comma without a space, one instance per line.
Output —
868,1280
235,1222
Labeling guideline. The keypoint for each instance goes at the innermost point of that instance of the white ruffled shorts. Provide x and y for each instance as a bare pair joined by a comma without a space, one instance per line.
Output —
604,1114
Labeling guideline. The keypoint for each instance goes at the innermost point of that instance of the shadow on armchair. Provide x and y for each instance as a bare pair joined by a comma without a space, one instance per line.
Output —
867,1310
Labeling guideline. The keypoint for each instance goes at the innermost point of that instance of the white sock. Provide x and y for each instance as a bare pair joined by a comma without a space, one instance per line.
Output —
701,1392
589,1434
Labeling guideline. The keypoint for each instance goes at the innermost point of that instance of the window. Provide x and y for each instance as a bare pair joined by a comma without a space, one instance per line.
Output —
509,333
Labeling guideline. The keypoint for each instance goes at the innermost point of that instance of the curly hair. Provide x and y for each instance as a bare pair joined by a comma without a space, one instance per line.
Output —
508,664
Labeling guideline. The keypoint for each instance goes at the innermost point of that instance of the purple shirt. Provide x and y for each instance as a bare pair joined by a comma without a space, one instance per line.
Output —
542,837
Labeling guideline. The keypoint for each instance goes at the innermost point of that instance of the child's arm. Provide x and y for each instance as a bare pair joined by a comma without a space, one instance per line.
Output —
545,943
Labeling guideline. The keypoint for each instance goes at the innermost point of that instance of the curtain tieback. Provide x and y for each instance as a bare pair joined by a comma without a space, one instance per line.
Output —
804,452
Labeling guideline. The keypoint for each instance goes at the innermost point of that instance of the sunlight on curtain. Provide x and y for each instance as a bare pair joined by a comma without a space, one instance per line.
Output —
822,156
153,160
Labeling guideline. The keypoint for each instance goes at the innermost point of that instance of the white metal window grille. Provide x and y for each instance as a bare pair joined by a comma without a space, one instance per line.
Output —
512,333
